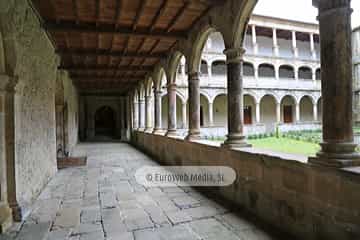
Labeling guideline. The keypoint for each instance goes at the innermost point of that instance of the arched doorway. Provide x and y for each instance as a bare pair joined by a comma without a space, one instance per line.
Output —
105,122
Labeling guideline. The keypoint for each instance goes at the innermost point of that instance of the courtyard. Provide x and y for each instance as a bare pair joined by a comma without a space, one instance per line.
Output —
103,200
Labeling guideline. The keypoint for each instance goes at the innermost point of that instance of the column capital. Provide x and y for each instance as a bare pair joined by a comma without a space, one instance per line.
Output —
234,55
171,86
194,76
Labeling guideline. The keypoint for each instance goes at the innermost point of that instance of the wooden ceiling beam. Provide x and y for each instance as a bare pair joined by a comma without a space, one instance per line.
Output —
177,16
110,53
158,14
109,29
105,68
139,13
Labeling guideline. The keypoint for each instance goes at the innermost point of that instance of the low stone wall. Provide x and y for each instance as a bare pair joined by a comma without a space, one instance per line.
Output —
299,126
307,201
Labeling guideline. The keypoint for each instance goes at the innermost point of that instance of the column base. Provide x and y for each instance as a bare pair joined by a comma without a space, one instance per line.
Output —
336,155
148,130
16,212
157,131
193,136
171,133
235,141
5,217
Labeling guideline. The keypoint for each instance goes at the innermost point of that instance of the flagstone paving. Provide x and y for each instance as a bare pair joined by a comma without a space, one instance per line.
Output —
104,201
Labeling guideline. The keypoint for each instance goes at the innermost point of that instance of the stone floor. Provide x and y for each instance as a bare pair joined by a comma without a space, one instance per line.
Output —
103,201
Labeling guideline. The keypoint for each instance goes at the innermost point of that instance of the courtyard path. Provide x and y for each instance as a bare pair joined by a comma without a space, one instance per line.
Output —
103,201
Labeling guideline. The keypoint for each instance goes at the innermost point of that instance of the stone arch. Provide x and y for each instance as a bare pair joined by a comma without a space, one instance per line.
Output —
288,108
266,70
306,104
198,46
318,74
220,110
286,71
243,11
173,66
149,84
8,56
305,72
158,75
248,69
218,67
268,104
204,67
249,108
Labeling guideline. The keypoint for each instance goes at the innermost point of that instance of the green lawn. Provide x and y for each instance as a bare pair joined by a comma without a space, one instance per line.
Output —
286,145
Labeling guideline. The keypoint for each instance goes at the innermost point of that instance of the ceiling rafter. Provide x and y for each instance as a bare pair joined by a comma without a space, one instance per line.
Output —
158,14
104,29
177,16
139,13
109,53
106,68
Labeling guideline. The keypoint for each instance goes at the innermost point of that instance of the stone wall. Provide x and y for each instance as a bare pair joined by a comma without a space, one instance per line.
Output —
31,59
307,201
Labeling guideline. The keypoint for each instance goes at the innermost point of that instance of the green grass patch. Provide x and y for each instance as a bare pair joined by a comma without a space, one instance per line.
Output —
286,145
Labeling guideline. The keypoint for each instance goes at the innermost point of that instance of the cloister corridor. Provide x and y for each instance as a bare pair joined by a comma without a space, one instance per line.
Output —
103,200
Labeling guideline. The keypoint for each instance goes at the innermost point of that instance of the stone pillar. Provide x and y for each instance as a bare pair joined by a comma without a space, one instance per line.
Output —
157,111
5,210
275,43
235,137
135,115
314,75
211,114
141,114
294,45
10,149
171,132
338,147
312,46
194,106
277,73
278,112
254,40
315,112
256,71
297,112
257,112
183,106
148,116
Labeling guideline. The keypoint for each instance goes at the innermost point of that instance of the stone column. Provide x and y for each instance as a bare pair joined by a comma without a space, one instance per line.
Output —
5,210
254,40
278,112
315,112
211,114
235,137
297,112
157,111
183,106
294,45
312,46
194,106
10,149
257,112
135,115
275,43
171,132
338,147
148,116
141,114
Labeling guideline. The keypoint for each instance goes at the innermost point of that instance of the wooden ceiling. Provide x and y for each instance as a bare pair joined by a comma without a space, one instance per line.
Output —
113,44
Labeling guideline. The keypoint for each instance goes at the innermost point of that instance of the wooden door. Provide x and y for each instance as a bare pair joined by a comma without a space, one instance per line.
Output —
247,115
288,114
